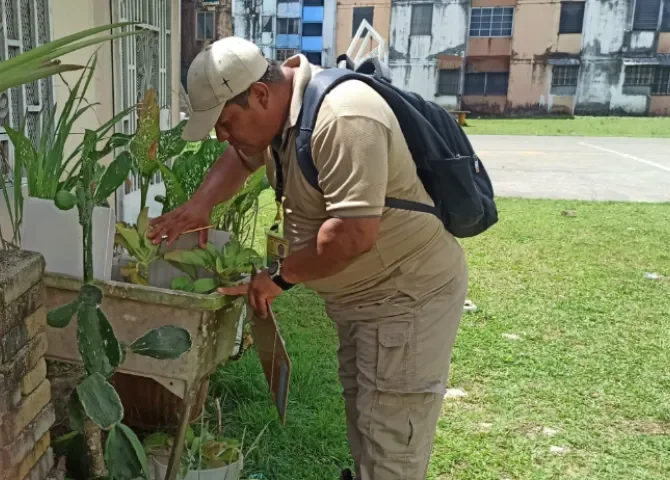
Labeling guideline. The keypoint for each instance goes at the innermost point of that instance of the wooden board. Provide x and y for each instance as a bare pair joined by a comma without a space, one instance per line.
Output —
274,359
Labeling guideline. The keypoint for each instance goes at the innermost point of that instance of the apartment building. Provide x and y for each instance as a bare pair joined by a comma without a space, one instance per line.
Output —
535,56
283,28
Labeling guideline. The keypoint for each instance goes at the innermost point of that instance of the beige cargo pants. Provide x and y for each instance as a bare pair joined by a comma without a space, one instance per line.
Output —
394,364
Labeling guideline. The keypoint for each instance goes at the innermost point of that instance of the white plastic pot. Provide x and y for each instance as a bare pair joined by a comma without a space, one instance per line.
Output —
229,472
57,235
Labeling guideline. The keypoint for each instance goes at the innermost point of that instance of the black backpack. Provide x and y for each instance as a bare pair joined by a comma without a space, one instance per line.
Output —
446,163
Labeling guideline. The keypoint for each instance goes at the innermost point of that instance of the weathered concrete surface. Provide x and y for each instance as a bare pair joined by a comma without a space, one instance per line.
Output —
586,168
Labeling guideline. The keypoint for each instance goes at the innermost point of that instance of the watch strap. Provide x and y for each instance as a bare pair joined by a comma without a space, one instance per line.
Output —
281,283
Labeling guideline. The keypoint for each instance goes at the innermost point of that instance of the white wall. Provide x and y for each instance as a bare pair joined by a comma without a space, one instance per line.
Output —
329,39
413,58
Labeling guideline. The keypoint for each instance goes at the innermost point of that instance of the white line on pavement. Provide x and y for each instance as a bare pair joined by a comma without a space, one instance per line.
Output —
625,155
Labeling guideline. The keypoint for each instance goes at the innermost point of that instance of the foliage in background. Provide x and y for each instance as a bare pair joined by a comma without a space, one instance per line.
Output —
95,405
188,171
229,265
43,61
48,169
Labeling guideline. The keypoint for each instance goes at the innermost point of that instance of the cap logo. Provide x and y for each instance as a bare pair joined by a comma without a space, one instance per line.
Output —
226,82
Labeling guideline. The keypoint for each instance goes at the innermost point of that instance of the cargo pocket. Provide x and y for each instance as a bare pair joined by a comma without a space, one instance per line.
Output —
395,356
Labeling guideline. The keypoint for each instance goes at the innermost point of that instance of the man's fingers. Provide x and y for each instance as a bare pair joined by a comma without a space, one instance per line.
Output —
202,238
262,307
234,291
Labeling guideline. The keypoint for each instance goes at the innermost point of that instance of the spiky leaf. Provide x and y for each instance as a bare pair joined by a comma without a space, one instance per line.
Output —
204,285
144,144
168,342
131,238
124,456
60,317
65,200
100,401
114,176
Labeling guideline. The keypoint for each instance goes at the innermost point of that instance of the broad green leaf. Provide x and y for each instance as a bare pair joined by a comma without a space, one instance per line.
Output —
181,283
75,412
204,285
23,148
124,456
60,317
130,236
220,268
65,200
143,222
157,442
98,346
206,256
187,257
189,270
119,240
170,142
174,192
100,401
114,176
144,144
211,248
168,342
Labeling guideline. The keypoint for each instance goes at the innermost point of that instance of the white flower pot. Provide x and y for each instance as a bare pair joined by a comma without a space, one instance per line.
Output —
229,472
57,235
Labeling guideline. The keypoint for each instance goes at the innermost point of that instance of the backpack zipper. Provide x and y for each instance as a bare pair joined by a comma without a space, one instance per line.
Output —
476,163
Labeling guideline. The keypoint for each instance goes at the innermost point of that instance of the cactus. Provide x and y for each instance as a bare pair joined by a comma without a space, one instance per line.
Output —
95,405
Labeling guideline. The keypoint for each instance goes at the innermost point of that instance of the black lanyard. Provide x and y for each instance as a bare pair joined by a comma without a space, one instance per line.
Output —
279,181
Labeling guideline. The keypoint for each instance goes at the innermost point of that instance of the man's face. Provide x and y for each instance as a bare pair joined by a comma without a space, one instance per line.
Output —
249,128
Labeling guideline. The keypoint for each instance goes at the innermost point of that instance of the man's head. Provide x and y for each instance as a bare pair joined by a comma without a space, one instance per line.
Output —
236,91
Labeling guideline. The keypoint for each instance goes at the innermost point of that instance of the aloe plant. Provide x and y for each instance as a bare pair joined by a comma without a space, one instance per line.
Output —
47,167
95,405
229,265
43,61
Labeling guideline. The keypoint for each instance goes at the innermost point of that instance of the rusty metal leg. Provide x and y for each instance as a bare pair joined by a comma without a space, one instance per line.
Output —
178,446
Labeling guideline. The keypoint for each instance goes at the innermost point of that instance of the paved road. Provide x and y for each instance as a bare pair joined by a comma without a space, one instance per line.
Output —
586,168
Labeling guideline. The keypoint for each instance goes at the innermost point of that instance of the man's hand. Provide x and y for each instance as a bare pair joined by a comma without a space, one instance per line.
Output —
261,291
188,216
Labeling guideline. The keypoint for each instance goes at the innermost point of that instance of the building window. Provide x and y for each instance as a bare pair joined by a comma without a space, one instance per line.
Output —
489,83
448,82
312,29
313,57
492,22
283,54
422,19
564,79
267,23
638,76
565,76
206,26
646,15
572,17
312,3
661,84
288,26
665,21
360,14
24,26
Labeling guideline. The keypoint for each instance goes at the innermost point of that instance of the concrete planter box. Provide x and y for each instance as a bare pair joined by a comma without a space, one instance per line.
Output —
212,321
57,235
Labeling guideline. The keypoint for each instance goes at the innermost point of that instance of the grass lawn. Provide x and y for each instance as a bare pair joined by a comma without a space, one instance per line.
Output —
658,127
592,362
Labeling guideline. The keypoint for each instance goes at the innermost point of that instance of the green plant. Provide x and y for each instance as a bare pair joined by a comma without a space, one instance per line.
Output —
187,172
229,265
47,166
134,239
42,62
95,405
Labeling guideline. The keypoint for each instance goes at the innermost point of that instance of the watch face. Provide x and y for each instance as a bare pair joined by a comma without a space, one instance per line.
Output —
273,268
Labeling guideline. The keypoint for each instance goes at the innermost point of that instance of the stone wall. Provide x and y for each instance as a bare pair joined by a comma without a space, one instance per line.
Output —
26,411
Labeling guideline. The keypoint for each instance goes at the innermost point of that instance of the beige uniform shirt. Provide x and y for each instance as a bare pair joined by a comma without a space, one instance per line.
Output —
362,157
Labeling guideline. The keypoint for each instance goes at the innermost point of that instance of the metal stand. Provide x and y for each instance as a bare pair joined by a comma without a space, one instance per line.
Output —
178,446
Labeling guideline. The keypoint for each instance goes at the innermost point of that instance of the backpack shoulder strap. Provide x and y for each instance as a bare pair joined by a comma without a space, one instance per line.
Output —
317,88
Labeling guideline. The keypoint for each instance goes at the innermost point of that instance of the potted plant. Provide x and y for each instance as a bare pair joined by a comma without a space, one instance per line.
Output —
49,170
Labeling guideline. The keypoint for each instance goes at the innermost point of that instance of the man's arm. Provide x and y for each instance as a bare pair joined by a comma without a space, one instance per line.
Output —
351,154
339,242
221,183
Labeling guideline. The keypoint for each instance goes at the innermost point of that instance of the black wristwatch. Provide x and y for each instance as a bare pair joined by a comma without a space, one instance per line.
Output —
274,270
